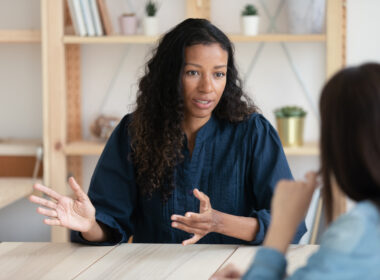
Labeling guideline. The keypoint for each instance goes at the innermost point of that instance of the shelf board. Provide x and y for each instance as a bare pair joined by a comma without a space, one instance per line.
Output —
18,147
278,38
308,149
20,36
83,148
13,189
142,39
111,39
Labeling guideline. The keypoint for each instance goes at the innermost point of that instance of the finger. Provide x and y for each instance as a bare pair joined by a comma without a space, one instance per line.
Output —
47,212
192,240
204,199
311,179
77,189
47,191
52,222
193,220
42,201
228,272
187,228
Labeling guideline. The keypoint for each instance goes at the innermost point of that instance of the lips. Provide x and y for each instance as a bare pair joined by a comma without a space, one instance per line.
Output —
202,103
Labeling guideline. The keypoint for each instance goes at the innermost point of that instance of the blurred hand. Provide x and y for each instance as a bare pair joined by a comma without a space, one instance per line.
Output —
230,272
291,200
198,224
290,203
76,214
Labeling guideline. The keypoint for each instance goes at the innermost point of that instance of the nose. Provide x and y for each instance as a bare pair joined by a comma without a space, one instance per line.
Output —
205,84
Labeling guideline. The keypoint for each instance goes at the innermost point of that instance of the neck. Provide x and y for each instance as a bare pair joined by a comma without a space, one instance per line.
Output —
191,126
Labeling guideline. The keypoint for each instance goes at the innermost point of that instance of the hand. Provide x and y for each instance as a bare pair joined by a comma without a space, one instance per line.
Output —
290,203
291,200
198,224
76,214
228,272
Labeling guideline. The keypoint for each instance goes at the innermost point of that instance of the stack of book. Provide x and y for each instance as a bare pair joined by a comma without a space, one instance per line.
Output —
90,17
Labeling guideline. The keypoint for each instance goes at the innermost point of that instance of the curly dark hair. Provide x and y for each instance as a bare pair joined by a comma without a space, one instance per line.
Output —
157,137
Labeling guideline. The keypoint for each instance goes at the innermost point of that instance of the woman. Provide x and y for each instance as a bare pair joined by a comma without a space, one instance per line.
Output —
193,163
350,150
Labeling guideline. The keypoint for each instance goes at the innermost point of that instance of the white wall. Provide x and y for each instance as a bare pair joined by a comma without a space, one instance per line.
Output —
272,83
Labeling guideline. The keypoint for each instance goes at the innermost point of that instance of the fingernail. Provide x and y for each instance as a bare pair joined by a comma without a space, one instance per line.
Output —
188,215
173,218
174,224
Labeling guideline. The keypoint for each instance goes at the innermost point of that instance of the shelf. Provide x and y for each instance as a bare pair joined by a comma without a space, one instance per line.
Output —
12,189
20,36
13,147
308,149
82,148
141,39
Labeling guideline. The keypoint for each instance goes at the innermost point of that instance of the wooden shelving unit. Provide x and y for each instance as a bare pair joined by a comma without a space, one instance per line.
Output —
61,86
15,188
20,36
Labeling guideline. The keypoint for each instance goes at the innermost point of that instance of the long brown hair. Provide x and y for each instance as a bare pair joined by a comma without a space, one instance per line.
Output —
350,134
156,133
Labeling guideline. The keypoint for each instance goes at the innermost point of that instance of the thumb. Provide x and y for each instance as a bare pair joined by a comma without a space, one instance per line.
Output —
204,200
79,193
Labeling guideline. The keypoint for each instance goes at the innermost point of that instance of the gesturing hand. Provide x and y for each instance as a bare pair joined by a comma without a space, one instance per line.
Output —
198,224
76,214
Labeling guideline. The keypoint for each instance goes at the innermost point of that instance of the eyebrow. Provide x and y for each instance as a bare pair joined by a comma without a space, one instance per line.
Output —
200,66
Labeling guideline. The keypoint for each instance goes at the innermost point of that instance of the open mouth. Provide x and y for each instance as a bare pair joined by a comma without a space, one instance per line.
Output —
202,101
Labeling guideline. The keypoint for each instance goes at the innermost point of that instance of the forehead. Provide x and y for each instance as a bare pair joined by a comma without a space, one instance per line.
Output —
211,53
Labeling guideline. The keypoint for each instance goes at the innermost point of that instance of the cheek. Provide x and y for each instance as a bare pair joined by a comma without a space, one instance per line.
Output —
220,87
188,85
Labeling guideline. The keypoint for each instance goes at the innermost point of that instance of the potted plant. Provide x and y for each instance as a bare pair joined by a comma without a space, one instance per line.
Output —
150,20
290,124
250,20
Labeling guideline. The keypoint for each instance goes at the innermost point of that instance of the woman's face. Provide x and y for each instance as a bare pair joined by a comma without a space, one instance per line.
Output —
203,80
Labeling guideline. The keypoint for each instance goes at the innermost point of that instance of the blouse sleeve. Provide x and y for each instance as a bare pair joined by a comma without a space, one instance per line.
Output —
113,190
269,165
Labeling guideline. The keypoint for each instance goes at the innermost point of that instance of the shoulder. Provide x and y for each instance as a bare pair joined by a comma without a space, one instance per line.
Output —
254,122
354,229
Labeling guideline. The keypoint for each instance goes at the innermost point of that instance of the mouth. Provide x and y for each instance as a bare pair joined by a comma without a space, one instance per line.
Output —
202,103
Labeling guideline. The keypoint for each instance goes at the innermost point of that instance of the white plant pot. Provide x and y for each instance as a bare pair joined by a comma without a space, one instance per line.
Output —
250,25
150,26
306,16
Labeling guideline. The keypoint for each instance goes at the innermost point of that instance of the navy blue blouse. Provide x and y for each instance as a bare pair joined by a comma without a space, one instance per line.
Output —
236,165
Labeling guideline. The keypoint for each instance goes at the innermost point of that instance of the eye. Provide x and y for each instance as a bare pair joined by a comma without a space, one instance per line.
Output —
220,74
192,73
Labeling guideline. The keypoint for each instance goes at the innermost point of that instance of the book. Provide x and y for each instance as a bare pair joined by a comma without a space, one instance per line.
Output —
87,17
96,17
104,15
77,17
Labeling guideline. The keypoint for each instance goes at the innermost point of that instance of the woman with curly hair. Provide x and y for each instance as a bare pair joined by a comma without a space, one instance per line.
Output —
194,162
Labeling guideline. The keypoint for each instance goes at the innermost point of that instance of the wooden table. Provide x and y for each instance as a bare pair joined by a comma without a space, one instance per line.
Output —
128,261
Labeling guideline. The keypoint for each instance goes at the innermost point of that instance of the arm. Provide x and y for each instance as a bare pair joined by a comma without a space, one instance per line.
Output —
210,220
267,167
112,192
